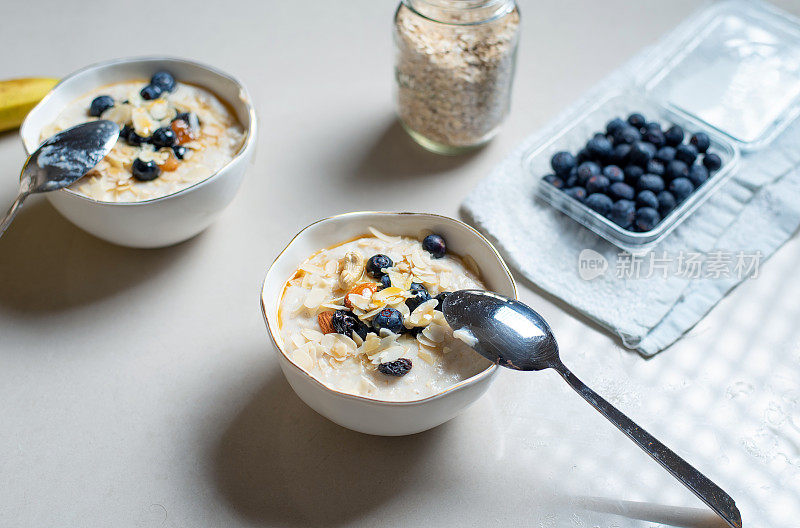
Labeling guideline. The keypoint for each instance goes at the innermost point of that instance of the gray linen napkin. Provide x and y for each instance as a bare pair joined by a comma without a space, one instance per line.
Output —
650,301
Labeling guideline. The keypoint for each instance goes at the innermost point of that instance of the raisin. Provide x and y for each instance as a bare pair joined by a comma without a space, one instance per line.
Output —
346,323
395,368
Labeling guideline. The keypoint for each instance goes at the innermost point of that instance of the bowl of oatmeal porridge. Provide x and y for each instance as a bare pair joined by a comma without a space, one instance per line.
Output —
188,136
352,304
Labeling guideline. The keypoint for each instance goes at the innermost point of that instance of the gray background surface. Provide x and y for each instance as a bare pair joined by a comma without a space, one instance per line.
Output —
138,388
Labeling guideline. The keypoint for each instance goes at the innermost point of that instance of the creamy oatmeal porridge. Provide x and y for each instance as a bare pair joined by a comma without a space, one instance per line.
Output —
173,135
362,317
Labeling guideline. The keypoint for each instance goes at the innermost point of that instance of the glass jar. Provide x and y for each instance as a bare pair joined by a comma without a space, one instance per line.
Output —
454,69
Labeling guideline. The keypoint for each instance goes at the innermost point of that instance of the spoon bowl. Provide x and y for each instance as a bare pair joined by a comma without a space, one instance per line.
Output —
62,160
513,335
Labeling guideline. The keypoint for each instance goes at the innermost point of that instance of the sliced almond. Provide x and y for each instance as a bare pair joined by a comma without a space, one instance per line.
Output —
325,320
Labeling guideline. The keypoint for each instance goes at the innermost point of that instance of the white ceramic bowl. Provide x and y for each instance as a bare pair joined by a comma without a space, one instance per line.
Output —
370,415
168,219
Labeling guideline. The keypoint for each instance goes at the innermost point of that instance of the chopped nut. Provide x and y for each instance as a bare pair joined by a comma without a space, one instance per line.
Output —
325,320
361,289
351,268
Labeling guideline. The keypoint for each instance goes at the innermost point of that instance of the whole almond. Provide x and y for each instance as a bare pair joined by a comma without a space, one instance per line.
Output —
325,320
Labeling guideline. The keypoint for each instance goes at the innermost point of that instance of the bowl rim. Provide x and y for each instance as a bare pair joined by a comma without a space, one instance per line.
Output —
247,100
489,371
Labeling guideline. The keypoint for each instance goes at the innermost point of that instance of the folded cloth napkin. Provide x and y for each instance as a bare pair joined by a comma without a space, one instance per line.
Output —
648,301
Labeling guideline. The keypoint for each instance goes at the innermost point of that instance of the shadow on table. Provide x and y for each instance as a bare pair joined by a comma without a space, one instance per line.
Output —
281,464
47,264
680,517
395,156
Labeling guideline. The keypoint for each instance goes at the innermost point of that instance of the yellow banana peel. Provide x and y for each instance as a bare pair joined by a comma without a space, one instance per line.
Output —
19,96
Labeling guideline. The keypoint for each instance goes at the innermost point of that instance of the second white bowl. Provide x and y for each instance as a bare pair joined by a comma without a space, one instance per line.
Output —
161,221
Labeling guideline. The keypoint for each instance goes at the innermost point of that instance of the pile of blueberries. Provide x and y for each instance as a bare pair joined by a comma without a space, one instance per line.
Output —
345,322
160,83
635,173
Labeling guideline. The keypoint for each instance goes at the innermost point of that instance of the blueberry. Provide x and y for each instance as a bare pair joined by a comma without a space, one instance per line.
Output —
164,137
712,162
655,167
100,104
583,155
619,156
665,154
654,136
397,368
647,199
633,173
636,120
614,125
627,135
435,245
572,179
677,169
666,202
562,163
376,264
163,80
180,151
599,202
698,174
642,152
613,173
386,281
701,142
646,218
420,295
441,297
145,170
622,213
597,184
620,191
579,193
554,180
129,134
599,147
150,92
388,318
650,182
652,125
681,188
674,136
686,154
586,170
345,323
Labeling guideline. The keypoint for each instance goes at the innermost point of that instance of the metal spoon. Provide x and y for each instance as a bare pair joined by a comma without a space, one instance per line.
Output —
512,335
63,159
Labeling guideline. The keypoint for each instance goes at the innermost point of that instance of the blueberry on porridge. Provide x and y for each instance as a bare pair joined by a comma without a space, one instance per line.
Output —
172,135
363,317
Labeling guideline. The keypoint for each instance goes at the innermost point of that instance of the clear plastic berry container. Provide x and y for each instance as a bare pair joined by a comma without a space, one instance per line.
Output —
733,74
573,137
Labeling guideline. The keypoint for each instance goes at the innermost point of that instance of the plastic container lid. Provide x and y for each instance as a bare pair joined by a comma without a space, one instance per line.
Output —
739,75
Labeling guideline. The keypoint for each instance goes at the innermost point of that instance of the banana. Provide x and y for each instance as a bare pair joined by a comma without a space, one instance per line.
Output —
19,96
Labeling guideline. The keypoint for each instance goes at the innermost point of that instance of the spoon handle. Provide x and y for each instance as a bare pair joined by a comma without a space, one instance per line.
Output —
12,212
707,491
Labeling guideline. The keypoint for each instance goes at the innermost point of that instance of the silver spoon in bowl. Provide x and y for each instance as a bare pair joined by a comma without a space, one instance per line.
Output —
63,159
513,335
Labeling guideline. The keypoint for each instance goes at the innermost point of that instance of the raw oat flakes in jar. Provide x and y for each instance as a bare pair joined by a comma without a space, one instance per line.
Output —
454,70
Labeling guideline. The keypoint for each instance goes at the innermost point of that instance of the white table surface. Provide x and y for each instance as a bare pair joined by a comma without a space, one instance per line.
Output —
139,388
